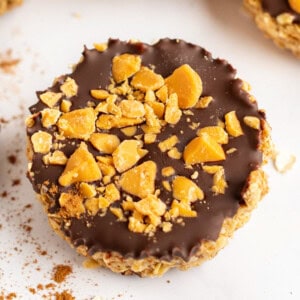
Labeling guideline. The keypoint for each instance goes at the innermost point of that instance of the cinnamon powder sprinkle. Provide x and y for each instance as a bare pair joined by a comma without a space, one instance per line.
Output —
60,272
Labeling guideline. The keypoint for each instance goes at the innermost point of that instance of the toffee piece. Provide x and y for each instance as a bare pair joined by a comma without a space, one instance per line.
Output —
279,20
148,157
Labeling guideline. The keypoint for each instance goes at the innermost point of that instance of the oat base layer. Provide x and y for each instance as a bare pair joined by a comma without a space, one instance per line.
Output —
281,30
6,5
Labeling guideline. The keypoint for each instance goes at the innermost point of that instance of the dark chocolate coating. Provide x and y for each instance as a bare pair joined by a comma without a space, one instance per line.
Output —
105,233
277,7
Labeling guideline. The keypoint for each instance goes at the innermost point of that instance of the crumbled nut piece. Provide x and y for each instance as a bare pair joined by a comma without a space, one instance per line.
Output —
50,98
285,19
99,94
104,142
231,150
167,171
252,122
150,96
166,226
110,121
71,205
203,149
152,121
139,181
187,84
102,107
65,105
295,5
112,193
146,79
172,112
41,142
158,108
246,86
166,184
149,138
50,116
204,102
168,143
195,175
56,158
132,108
108,160
283,161
87,190
92,205
101,47
69,87
129,131
215,132
135,225
118,213
112,108
185,189
79,123
232,124
150,207
181,209
127,154
219,182
81,166
174,153
103,203
124,66
162,94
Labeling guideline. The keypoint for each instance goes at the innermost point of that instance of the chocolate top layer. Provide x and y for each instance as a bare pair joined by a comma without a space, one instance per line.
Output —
277,7
105,233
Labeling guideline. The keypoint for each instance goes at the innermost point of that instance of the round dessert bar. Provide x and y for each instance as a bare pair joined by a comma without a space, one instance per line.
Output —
148,157
6,5
279,20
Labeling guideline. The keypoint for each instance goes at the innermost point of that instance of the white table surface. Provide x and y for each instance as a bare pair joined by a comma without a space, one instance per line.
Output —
262,261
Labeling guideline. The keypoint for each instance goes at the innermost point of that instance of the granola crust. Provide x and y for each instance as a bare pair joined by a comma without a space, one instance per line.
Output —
281,30
6,5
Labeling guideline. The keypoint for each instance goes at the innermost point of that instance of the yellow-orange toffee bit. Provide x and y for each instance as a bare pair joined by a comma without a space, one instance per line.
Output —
69,87
41,142
233,125
79,123
139,181
124,66
187,84
81,166
295,5
252,122
219,182
203,149
127,154
50,98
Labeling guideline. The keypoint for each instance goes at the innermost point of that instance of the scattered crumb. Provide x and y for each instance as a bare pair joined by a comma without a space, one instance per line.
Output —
60,272
7,62
65,295
283,162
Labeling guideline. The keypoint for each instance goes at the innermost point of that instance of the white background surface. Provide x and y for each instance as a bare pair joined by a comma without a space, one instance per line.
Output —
262,261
